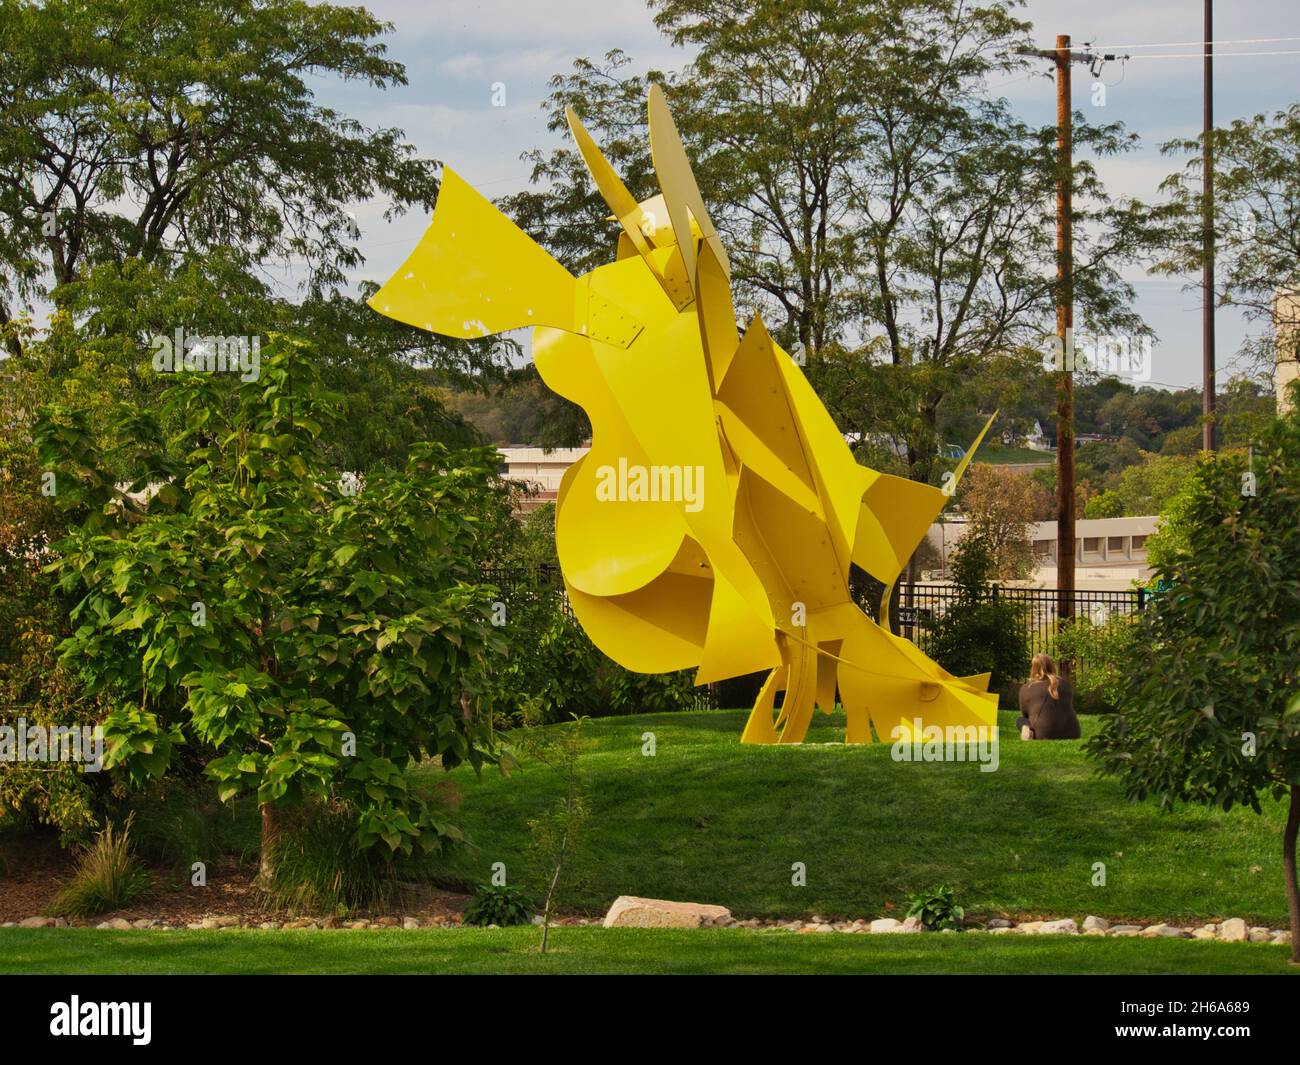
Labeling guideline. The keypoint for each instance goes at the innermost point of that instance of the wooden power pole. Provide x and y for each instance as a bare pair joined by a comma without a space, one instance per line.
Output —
1062,57
1065,333
1207,223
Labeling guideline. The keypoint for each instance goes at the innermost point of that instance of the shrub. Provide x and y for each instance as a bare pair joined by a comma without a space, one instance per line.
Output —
980,633
1105,655
319,867
108,877
501,905
936,909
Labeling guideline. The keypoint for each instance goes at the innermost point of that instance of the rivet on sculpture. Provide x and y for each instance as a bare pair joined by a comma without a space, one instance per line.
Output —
714,519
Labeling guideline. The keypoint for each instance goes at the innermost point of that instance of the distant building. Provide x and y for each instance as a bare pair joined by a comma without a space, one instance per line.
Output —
1108,552
541,469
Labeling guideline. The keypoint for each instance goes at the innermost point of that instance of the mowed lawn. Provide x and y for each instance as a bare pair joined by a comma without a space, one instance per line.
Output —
709,820
589,950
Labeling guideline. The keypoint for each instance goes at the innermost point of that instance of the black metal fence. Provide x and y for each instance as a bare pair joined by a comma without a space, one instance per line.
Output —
920,606
917,609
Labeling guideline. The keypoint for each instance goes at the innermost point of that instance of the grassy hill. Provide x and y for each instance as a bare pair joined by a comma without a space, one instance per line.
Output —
710,820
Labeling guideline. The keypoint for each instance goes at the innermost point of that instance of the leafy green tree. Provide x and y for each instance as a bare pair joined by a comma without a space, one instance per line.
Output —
1212,716
309,636
1256,207
866,185
1147,488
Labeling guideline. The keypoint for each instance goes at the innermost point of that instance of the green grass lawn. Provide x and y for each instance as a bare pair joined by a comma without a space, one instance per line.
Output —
617,950
710,820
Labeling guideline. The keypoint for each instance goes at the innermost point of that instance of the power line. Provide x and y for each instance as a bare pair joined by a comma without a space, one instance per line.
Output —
1217,55
1194,44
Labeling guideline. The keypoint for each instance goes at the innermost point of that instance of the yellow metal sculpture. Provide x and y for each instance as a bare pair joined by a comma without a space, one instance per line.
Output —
713,522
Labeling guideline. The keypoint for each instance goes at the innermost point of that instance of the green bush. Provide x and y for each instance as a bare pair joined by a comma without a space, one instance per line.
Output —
936,909
1105,656
980,633
501,905
108,877
319,866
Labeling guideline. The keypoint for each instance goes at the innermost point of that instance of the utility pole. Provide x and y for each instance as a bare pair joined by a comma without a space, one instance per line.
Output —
1065,331
1062,57
1207,224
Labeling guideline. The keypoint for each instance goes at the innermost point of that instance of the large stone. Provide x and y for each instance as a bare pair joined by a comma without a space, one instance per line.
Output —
117,924
36,922
1126,930
1065,926
886,924
629,911
410,923
1098,924
1233,930
1165,931
912,924
1030,928
1000,922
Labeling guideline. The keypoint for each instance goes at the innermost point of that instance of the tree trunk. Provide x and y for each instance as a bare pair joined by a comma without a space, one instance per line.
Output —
1288,863
269,845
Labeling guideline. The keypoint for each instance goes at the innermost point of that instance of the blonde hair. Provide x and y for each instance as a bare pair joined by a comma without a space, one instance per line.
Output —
1043,668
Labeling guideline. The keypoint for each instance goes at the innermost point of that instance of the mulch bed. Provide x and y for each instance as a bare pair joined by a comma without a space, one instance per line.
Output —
38,868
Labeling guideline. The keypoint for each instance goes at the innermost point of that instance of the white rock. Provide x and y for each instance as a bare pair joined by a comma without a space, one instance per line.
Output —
1262,936
1126,930
886,924
410,923
1164,931
1000,922
1202,933
1029,928
36,922
912,924
120,924
1281,937
1065,926
1233,930
1091,923
628,911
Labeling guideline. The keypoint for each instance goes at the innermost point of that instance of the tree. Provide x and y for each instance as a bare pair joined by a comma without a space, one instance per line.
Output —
1213,714
555,832
999,506
866,185
1256,218
307,636
158,160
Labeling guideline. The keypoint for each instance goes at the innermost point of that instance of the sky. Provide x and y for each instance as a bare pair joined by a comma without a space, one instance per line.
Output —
455,53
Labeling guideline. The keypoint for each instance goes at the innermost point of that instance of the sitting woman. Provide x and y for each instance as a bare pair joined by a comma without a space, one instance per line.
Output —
1047,704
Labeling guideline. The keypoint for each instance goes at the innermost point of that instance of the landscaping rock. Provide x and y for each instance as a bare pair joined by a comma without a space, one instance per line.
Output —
366,924
1095,924
1029,928
1164,931
886,924
1066,926
60,922
1126,930
300,922
36,922
1282,937
629,911
144,922
1233,930
1262,936
117,924
912,924
1202,933
1000,922
410,923
386,922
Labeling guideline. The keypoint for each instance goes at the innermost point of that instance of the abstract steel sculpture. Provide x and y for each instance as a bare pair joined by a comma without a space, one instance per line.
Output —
714,519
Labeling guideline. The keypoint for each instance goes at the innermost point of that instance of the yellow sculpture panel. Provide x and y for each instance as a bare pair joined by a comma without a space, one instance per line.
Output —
713,522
